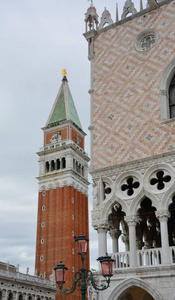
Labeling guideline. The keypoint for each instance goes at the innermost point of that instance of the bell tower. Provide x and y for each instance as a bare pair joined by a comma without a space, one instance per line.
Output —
63,189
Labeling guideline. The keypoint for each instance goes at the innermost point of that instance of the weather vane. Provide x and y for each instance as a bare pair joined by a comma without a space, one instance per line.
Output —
91,2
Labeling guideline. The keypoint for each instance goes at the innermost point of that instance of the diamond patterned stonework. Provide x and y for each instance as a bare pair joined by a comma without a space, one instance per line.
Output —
126,109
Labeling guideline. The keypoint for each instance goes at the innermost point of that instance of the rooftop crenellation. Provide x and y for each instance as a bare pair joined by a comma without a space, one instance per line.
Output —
129,9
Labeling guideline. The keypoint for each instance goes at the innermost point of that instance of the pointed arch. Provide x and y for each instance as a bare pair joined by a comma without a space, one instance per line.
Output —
125,285
167,198
107,209
165,81
138,199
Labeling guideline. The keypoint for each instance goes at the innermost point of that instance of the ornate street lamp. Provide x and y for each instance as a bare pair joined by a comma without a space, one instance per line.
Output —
83,274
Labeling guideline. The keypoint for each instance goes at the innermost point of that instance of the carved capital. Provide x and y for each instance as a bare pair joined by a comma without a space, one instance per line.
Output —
163,92
101,225
115,233
163,215
125,239
131,220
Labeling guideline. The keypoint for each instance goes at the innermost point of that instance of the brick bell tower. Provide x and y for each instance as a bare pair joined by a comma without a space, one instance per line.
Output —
63,189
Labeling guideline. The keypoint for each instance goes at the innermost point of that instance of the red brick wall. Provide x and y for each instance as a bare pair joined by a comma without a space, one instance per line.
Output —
57,233
66,133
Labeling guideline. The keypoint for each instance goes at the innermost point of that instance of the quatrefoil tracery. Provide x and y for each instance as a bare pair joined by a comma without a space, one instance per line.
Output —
130,186
160,180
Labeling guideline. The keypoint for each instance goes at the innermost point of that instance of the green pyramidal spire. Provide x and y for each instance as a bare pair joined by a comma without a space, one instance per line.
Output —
64,107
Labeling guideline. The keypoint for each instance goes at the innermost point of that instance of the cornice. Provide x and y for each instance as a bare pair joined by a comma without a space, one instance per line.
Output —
72,146
168,157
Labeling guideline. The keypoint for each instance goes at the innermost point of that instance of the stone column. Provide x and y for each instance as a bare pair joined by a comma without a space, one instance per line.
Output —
102,241
163,219
132,221
115,234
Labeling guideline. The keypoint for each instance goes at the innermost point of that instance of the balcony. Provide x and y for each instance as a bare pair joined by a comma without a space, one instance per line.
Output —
145,258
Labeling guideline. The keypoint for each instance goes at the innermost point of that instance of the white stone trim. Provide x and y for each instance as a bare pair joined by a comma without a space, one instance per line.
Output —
164,90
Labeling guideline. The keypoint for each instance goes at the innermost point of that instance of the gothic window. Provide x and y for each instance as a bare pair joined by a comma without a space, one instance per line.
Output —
74,164
47,167
58,164
52,165
63,163
172,98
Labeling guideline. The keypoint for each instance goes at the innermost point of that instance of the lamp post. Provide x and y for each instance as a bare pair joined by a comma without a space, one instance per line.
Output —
83,274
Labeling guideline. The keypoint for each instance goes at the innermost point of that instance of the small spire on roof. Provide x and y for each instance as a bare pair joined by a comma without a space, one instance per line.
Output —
116,12
141,5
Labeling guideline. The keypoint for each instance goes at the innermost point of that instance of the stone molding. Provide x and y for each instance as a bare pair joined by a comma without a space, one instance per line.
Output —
140,164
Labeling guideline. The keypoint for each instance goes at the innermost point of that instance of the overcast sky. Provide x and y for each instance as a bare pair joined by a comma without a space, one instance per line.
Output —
38,38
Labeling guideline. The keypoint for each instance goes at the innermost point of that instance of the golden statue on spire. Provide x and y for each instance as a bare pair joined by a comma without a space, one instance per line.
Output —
64,73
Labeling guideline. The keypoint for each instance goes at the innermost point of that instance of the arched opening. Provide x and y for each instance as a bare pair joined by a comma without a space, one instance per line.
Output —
172,98
58,164
10,296
47,167
20,297
52,165
148,230
0,295
136,293
148,237
120,236
30,297
63,163
171,228
83,171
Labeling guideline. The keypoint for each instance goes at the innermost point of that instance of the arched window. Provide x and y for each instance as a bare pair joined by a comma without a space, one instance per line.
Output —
63,163
58,164
20,297
10,296
47,166
52,165
172,98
